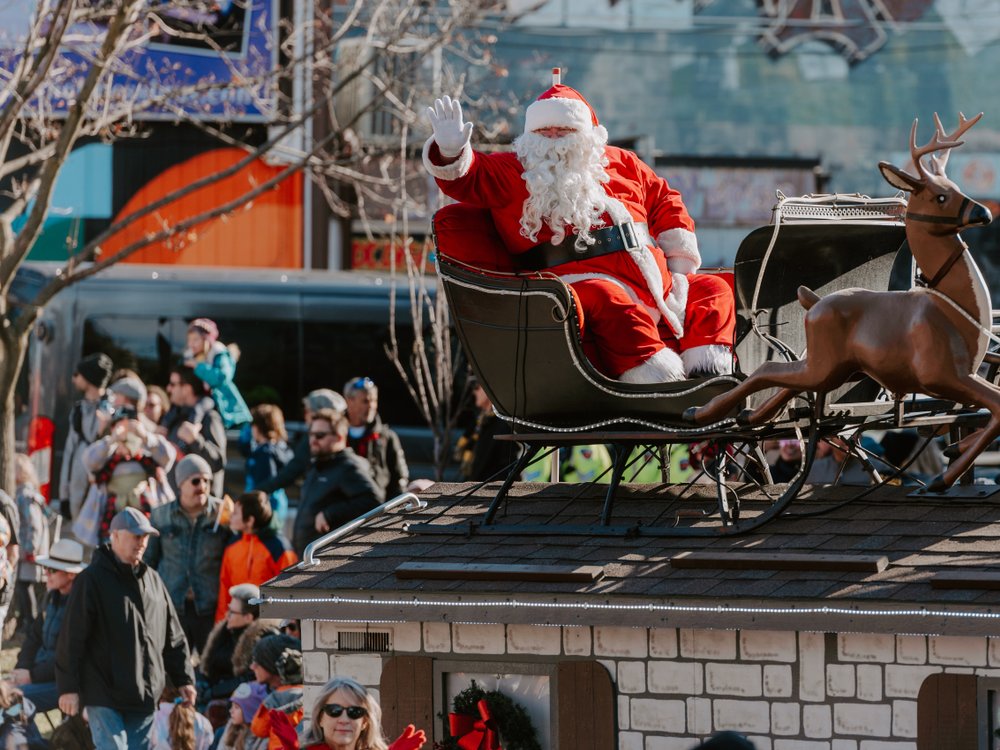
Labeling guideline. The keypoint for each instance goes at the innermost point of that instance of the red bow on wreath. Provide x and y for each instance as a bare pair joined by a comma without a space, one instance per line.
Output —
473,734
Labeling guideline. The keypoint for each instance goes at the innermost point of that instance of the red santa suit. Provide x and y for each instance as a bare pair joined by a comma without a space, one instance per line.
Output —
633,306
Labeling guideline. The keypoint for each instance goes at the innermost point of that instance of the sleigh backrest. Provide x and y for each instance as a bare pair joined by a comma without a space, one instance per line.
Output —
466,235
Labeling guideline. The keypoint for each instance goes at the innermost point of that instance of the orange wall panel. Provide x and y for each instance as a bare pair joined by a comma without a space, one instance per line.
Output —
264,233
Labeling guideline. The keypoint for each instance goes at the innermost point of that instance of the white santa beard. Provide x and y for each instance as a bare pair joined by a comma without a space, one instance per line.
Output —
565,179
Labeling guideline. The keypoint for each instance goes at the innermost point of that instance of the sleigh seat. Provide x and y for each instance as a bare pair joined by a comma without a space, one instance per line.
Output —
520,330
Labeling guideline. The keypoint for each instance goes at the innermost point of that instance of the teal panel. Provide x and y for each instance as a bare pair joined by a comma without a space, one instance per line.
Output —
83,188
57,237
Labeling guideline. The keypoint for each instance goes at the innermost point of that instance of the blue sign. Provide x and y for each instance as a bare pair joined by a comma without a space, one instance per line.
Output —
211,61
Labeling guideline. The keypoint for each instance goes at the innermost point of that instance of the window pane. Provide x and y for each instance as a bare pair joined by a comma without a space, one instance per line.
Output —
147,345
267,370
531,691
268,366
22,400
336,352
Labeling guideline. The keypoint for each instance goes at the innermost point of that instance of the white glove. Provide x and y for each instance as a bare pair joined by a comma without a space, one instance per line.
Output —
450,133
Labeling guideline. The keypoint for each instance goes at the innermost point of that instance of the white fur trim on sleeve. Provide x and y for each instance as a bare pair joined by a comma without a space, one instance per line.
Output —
458,168
680,244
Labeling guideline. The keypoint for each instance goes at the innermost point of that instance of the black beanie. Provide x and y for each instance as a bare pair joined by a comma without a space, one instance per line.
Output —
96,369
281,655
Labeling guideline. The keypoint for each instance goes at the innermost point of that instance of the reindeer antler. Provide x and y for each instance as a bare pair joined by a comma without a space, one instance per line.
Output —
940,141
963,126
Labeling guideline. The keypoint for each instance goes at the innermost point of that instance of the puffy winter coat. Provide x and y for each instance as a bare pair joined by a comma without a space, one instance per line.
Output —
253,558
218,372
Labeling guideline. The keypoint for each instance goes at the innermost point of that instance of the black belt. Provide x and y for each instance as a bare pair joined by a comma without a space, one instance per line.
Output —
627,236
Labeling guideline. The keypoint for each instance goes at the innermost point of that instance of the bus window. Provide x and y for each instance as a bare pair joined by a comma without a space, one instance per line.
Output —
267,370
22,402
269,362
336,352
146,345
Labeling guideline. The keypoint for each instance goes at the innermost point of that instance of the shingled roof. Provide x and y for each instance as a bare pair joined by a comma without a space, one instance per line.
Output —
884,563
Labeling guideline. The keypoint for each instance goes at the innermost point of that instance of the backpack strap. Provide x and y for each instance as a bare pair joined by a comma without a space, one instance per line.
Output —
76,420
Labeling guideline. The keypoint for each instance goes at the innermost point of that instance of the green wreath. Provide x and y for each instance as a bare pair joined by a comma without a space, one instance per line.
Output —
512,721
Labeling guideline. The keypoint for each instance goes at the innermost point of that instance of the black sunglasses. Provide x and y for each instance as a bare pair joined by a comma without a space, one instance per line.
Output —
198,481
334,710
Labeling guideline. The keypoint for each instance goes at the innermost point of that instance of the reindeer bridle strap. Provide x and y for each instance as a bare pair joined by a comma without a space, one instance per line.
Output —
935,219
943,271
962,247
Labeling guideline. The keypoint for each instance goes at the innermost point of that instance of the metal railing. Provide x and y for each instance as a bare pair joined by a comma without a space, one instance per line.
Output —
406,502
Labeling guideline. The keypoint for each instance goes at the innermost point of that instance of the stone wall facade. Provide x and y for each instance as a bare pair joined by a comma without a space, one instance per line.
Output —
786,690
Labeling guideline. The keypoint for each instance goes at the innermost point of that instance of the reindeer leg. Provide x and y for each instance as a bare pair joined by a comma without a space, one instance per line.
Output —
768,409
959,447
814,374
768,375
971,390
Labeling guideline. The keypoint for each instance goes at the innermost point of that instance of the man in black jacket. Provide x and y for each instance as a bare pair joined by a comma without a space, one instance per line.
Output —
121,637
371,438
338,486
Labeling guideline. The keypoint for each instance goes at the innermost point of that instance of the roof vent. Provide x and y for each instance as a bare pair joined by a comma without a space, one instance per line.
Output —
378,641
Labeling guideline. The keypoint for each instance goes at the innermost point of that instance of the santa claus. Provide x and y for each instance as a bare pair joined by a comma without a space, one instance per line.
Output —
590,213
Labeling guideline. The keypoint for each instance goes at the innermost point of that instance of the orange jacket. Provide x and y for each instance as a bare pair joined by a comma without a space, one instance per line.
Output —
260,725
252,559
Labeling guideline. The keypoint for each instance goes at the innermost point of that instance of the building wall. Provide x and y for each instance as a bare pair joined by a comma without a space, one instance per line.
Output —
841,84
786,690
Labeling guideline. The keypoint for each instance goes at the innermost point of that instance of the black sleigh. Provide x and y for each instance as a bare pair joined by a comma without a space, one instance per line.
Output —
520,332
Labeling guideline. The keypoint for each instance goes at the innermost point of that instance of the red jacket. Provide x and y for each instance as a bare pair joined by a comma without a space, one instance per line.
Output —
252,559
494,181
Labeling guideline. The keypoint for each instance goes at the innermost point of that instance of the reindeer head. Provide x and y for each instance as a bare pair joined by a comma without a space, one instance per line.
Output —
935,201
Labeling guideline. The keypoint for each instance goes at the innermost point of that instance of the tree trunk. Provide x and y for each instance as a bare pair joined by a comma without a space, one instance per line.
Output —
12,349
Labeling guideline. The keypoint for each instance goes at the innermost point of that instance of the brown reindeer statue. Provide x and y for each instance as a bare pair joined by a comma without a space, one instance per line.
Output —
930,339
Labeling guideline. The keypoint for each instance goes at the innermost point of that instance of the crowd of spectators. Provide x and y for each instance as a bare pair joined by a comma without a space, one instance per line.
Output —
140,620
141,623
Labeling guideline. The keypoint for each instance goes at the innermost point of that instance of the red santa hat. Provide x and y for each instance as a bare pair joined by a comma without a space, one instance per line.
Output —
560,106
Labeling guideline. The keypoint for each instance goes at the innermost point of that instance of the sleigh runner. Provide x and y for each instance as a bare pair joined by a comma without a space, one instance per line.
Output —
520,330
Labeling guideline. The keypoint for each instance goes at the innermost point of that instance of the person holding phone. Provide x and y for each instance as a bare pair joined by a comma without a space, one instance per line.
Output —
129,466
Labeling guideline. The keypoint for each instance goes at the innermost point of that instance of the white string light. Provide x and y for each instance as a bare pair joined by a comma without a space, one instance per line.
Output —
649,607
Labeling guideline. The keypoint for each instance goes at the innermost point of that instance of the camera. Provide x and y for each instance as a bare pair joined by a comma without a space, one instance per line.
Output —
124,412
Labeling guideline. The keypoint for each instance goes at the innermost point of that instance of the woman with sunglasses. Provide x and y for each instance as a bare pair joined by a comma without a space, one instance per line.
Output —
346,716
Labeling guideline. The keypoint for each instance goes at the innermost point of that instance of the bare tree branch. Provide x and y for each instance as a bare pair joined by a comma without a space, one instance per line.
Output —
75,76
67,136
